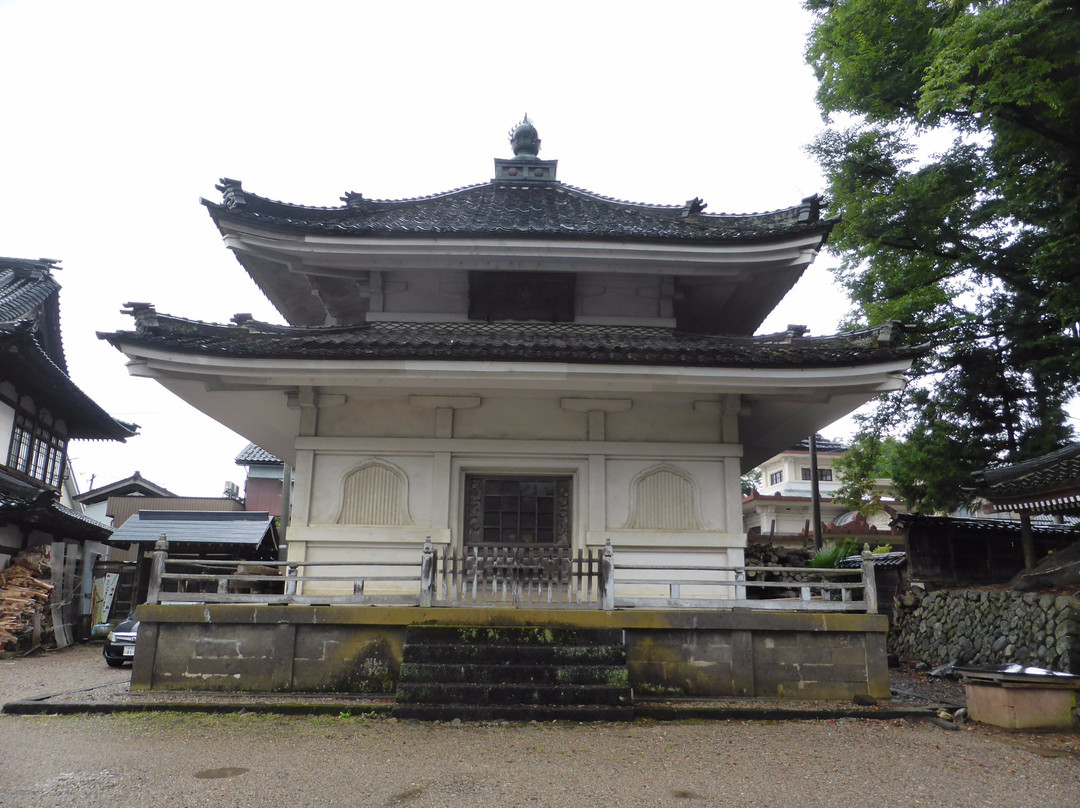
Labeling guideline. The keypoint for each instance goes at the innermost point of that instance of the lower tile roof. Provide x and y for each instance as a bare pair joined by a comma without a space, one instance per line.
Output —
511,342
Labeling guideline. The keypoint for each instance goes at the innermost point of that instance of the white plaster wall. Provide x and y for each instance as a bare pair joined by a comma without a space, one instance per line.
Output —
524,418
630,298
664,418
7,425
612,295
426,292
515,434
390,416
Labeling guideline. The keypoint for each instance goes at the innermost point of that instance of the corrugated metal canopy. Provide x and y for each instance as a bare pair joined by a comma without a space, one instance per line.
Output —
242,528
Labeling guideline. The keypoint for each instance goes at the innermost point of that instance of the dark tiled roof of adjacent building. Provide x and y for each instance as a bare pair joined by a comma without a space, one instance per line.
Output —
824,445
511,342
497,209
1048,484
26,364
25,285
252,455
881,560
135,485
31,350
970,528
36,508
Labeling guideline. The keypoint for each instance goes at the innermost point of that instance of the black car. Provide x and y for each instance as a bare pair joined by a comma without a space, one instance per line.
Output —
120,644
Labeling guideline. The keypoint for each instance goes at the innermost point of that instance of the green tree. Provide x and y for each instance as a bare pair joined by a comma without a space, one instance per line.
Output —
751,481
953,160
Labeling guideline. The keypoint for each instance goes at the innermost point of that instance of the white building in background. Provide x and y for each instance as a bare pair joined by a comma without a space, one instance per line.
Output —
782,505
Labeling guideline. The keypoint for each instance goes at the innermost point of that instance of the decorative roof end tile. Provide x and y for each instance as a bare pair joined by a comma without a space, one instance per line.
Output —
810,210
693,207
145,315
232,193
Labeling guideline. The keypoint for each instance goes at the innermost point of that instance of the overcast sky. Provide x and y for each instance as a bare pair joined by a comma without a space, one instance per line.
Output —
119,116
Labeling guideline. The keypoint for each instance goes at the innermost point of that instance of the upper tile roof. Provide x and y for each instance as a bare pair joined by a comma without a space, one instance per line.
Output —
498,208
516,342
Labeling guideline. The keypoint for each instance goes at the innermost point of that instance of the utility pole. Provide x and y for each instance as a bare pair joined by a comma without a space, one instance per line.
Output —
815,493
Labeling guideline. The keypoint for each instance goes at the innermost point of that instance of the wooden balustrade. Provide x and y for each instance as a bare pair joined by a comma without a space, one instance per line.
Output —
541,577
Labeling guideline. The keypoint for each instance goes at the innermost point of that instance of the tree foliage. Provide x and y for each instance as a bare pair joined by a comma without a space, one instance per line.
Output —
953,160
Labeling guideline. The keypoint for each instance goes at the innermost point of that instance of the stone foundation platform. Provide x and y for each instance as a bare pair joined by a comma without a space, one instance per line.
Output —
358,649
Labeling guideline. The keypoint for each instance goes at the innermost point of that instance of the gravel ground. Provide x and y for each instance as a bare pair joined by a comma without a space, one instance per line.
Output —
173,759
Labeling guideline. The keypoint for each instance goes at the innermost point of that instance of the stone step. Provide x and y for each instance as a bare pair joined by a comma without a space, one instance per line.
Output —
514,635
512,712
513,673
459,653
510,673
507,693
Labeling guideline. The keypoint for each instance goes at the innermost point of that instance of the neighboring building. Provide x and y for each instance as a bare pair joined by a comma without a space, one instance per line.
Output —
221,535
41,410
945,551
262,487
95,502
781,509
520,362
123,508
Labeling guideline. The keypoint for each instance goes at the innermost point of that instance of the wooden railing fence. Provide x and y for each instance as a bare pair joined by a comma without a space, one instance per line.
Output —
513,576
518,576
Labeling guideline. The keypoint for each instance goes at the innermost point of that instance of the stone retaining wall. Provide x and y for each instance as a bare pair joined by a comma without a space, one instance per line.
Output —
979,628
359,648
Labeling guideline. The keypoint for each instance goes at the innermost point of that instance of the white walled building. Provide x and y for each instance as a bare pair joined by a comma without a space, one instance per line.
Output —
520,362
782,505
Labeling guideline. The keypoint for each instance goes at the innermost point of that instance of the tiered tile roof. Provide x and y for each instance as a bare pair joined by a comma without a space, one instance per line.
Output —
497,208
517,342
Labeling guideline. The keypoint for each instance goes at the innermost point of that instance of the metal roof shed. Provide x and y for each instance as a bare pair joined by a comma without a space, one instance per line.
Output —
248,535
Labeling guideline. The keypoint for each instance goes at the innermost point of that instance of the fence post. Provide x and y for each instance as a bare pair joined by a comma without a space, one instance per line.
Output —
869,581
291,572
607,578
157,568
427,574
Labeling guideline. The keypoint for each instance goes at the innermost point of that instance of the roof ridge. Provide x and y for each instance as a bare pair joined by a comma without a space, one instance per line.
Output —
356,201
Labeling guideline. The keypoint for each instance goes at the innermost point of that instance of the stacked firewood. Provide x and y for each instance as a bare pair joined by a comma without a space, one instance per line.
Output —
24,593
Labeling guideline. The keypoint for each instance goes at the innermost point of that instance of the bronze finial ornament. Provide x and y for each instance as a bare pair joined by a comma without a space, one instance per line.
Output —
524,139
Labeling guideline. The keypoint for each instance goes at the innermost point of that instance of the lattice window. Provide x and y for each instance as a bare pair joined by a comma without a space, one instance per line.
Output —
505,511
36,451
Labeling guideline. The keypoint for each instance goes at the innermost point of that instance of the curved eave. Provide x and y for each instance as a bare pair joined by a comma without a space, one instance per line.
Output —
224,373
500,209
312,254
34,372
